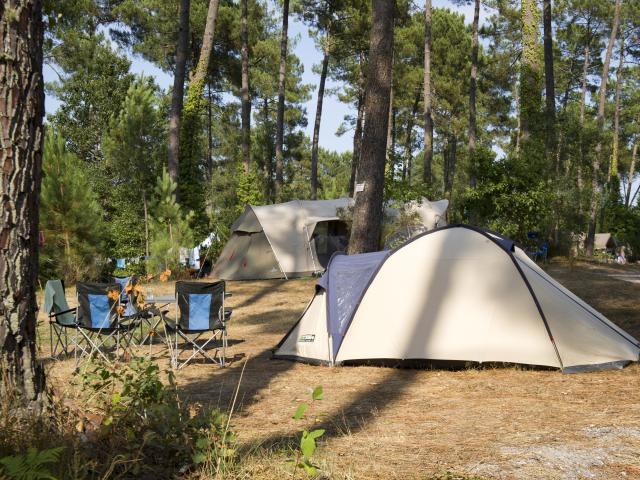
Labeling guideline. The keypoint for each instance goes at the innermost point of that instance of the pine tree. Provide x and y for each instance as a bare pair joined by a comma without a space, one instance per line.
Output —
169,227
70,216
134,150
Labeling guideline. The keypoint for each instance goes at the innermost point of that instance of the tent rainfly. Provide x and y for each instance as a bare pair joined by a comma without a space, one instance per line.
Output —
297,238
454,294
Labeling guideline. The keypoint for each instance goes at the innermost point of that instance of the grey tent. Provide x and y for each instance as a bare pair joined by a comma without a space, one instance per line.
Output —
284,240
297,238
454,294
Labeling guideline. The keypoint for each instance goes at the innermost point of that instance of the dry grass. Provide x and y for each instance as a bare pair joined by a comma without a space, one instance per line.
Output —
390,423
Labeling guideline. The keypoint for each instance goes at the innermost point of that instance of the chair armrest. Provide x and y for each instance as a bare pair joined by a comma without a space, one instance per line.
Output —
53,315
228,294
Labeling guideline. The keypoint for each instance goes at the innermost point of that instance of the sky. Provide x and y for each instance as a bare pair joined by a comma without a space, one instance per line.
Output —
333,111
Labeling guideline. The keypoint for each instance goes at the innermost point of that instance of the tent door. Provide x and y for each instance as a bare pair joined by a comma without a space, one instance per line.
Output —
327,238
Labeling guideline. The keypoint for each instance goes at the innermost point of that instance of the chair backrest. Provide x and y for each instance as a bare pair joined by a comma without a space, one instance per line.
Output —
199,305
130,300
97,304
56,302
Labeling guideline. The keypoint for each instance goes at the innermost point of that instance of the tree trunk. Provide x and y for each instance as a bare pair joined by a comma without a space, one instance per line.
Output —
246,100
390,145
450,164
209,132
281,91
550,91
196,86
316,125
408,147
613,165
473,80
357,145
530,79
583,100
146,223
21,135
632,168
367,214
428,120
602,97
178,90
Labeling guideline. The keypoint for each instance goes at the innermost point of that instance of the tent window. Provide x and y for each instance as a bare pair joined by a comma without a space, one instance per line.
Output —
329,237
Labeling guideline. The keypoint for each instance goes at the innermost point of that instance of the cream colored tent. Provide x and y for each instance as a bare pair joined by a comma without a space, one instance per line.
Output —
452,294
296,238
285,240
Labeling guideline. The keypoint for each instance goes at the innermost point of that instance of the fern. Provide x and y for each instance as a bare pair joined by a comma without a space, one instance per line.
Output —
32,466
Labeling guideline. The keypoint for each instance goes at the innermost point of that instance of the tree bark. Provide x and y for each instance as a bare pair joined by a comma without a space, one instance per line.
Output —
530,78
632,167
357,145
450,164
550,91
178,90
246,100
473,81
367,214
428,120
602,97
583,100
282,74
390,145
613,165
196,86
408,147
21,136
316,125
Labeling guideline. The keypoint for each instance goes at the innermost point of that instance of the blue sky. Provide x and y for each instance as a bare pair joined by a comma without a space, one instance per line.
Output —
333,110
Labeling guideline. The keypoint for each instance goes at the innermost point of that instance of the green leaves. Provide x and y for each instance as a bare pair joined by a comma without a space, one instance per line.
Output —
32,466
302,408
317,393
307,445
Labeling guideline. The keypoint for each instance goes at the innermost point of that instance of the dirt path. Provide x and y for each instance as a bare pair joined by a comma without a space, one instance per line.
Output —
387,423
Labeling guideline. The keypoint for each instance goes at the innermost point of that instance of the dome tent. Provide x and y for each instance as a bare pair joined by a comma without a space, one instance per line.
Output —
456,293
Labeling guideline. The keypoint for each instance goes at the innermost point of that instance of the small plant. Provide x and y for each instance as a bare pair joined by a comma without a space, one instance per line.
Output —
307,446
31,466
146,426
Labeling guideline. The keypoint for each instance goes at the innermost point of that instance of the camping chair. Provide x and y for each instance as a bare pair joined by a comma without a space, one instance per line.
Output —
98,321
536,253
61,317
199,309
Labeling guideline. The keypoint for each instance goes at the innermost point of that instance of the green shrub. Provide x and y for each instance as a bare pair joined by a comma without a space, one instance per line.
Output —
146,426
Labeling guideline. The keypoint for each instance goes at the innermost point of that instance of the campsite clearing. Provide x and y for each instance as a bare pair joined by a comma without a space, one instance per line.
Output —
391,423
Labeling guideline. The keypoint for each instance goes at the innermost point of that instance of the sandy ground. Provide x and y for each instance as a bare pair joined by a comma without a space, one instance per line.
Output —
504,423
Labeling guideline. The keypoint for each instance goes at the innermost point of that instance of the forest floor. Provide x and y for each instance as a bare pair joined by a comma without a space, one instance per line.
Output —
504,423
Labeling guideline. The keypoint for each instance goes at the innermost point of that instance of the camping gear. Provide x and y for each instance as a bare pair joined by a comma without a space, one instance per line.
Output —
297,238
199,309
454,294
98,321
61,317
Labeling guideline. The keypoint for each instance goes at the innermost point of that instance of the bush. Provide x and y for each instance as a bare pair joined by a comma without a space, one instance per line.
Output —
146,426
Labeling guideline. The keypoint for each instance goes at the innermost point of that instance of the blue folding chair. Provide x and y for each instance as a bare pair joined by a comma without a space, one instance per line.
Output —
98,323
61,317
199,309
